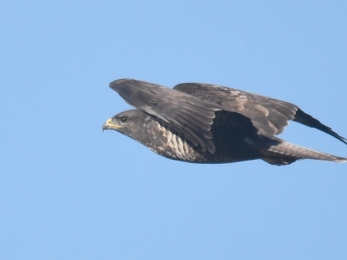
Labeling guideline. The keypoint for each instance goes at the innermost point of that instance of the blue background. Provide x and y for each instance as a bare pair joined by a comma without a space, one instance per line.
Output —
70,191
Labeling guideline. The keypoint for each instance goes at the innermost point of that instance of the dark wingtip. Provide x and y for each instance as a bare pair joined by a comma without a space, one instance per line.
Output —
308,120
114,84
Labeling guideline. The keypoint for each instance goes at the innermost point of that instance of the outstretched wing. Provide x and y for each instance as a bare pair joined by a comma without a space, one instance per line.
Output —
184,113
268,115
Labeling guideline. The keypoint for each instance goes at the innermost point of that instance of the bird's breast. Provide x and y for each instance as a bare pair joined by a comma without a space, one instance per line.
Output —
164,141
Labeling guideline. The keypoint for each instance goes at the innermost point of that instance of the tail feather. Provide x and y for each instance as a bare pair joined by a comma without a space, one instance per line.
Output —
284,153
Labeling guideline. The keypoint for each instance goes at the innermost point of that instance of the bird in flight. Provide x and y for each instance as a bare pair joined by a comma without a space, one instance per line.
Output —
205,123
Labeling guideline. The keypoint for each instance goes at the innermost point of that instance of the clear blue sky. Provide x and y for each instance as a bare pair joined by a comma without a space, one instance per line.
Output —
70,191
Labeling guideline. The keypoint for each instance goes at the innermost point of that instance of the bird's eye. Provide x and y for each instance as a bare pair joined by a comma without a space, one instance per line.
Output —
123,119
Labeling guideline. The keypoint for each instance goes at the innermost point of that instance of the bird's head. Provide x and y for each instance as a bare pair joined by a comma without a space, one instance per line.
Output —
129,123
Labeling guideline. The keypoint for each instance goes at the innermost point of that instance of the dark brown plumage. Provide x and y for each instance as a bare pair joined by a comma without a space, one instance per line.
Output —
205,123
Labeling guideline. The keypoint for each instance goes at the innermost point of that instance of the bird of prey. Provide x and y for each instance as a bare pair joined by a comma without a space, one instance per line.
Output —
204,123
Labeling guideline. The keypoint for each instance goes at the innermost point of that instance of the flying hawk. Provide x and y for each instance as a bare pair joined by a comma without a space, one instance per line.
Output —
204,123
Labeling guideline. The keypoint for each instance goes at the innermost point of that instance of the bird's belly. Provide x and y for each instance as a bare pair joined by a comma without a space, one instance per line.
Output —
165,142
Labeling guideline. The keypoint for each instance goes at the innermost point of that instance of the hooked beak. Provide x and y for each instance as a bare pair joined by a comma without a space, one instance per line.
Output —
110,125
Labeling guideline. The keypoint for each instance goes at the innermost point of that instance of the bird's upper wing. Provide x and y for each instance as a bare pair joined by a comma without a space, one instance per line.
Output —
184,113
268,115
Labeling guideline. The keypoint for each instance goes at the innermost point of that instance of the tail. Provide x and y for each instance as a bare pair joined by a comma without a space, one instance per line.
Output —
284,153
